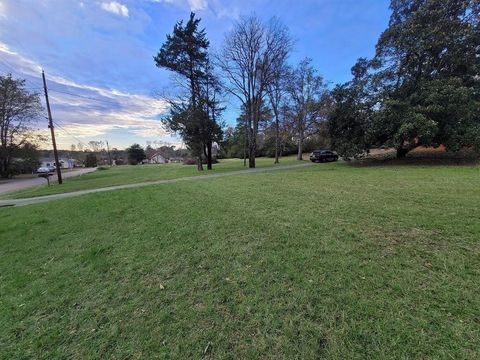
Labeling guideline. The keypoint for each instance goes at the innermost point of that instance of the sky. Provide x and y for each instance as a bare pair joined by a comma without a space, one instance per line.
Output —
98,55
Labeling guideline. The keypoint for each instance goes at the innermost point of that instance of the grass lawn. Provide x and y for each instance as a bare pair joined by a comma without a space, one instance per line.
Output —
329,261
129,174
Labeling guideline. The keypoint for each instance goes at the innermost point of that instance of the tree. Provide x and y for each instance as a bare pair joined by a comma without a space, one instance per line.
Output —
194,117
426,71
135,154
97,146
349,122
247,60
306,89
26,158
276,92
19,109
91,160
149,151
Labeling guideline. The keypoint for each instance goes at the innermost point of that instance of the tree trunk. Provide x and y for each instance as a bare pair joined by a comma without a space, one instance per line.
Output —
199,163
277,135
3,170
402,152
251,157
253,142
252,149
209,155
245,145
300,147
249,132
4,167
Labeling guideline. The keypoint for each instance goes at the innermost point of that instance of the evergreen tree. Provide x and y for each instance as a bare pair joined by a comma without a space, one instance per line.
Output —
135,154
185,52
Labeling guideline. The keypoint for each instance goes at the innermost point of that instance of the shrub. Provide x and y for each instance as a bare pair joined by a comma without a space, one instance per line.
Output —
189,161
91,160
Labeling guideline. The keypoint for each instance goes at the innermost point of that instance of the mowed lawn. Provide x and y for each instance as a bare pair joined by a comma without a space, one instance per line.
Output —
329,262
130,174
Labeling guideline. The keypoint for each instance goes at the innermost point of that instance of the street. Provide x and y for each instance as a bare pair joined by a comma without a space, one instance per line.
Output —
19,183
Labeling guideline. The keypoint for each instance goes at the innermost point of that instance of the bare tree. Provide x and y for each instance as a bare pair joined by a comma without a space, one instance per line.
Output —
276,92
18,109
97,146
248,61
306,89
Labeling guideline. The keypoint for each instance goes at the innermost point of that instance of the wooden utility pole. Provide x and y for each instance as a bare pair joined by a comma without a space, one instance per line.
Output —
52,131
108,152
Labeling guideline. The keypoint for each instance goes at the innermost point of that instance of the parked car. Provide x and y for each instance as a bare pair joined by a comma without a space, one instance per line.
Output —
46,169
322,155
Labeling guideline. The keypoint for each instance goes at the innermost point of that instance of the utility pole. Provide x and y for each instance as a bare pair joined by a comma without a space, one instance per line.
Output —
52,131
108,152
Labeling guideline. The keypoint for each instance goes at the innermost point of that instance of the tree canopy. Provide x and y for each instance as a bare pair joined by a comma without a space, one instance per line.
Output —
135,154
195,119
421,88
19,109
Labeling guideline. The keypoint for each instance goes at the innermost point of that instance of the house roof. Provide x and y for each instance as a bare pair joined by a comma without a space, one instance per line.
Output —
156,154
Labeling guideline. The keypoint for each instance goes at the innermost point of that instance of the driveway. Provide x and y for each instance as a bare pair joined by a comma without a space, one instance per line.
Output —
19,184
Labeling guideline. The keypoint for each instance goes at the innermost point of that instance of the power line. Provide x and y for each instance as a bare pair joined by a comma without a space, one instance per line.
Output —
70,134
146,102
83,97
15,72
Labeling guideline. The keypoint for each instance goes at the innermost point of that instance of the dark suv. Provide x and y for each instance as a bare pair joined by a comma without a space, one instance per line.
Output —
322,155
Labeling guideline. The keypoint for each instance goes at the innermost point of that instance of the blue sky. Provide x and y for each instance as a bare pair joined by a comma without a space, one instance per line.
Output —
98,54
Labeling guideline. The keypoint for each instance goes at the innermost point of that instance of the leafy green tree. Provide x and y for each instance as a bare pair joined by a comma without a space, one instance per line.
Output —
426,69
421,88
350,118
135,154
90,160
26,158
19,109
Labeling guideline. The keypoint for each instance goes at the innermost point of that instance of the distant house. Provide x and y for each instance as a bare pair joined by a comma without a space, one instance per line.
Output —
176,159
156,158
46,162
64,163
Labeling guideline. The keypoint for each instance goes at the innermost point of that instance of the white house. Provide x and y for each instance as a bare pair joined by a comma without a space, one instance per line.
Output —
64,163
156,158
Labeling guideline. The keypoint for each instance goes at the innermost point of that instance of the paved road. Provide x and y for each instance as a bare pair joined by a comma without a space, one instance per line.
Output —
34,200
19,184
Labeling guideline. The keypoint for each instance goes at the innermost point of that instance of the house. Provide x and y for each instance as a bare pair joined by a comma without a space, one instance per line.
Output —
64,163
46,162
156,158
176,159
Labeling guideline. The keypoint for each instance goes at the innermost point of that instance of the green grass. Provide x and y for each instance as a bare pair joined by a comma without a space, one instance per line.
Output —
330,262
129,174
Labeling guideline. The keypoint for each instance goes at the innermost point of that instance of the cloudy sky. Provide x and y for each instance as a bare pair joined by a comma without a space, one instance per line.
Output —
98,55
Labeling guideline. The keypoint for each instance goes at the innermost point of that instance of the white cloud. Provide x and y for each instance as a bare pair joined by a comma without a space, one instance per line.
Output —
85,111
193,5
3,10
115,8
196,5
